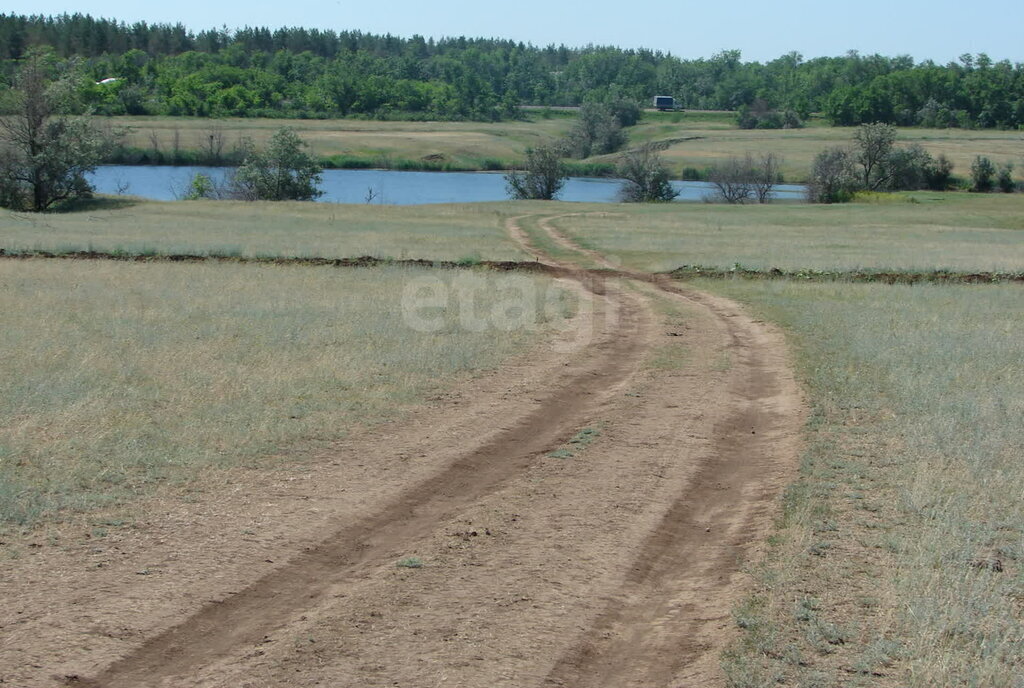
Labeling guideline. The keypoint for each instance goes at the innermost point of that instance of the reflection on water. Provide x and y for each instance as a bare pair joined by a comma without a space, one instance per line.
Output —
385,187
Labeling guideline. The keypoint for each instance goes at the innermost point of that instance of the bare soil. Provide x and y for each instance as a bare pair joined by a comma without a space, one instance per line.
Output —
530,559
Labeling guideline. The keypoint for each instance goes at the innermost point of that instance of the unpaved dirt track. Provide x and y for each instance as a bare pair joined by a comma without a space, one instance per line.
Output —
245,618
660,629
615,566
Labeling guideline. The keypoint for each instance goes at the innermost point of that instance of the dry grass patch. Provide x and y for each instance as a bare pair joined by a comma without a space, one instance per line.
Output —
955,231
441,232
463,143
117,378
695,143
900,558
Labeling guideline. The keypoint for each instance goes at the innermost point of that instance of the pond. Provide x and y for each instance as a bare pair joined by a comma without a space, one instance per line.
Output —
387,187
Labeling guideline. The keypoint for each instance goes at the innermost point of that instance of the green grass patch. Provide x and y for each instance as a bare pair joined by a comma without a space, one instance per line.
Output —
577,443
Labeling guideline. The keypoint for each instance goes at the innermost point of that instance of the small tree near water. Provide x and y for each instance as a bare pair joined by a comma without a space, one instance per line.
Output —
738,180
543,176
45,154
646,177
283,172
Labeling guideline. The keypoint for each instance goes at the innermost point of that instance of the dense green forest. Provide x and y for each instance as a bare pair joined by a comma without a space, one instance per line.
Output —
160,69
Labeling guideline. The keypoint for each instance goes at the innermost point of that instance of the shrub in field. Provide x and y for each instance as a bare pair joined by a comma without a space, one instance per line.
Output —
646,177
597,131
695,174
1004,180
983,172
760,116
833,177
939,173
875,163
626,112
906,168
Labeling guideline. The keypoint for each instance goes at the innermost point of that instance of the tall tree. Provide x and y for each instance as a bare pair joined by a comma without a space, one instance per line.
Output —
872,145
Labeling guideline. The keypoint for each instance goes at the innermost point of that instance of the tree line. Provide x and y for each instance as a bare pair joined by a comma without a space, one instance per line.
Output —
164,69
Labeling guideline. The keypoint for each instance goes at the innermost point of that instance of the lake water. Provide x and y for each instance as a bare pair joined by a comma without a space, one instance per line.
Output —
386,187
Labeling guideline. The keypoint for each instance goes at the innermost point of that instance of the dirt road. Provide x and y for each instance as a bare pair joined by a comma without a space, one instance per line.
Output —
579,518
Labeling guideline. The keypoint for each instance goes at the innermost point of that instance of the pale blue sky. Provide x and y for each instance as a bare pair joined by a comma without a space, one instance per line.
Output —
940,29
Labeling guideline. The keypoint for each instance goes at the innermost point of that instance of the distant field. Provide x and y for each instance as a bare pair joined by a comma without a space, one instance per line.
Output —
465,144
119,377
956,231
705,144
439,232
953,230
694,139
900,558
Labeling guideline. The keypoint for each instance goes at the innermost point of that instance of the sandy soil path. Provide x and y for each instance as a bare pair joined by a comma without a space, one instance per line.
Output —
582,518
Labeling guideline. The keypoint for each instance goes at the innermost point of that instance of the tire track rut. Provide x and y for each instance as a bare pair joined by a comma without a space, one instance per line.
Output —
223,627
663,618
670,617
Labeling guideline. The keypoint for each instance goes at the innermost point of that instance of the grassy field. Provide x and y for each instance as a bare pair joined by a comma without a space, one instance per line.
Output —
118,378
899,560
468,145
692,139
702,143
900,557
958,231
441,232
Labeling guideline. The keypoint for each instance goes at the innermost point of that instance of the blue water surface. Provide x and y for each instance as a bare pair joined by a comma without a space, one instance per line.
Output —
386,187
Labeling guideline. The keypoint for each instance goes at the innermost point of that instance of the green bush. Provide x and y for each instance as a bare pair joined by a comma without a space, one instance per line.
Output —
283,172
1004,180
833,177
983,173
646,177
543,177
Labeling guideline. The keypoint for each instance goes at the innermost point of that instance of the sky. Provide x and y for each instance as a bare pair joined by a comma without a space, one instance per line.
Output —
938,30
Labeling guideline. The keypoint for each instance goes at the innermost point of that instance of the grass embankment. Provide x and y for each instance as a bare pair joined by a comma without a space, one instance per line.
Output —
957,232
119,378
444,232
899,560
689,139
954,231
